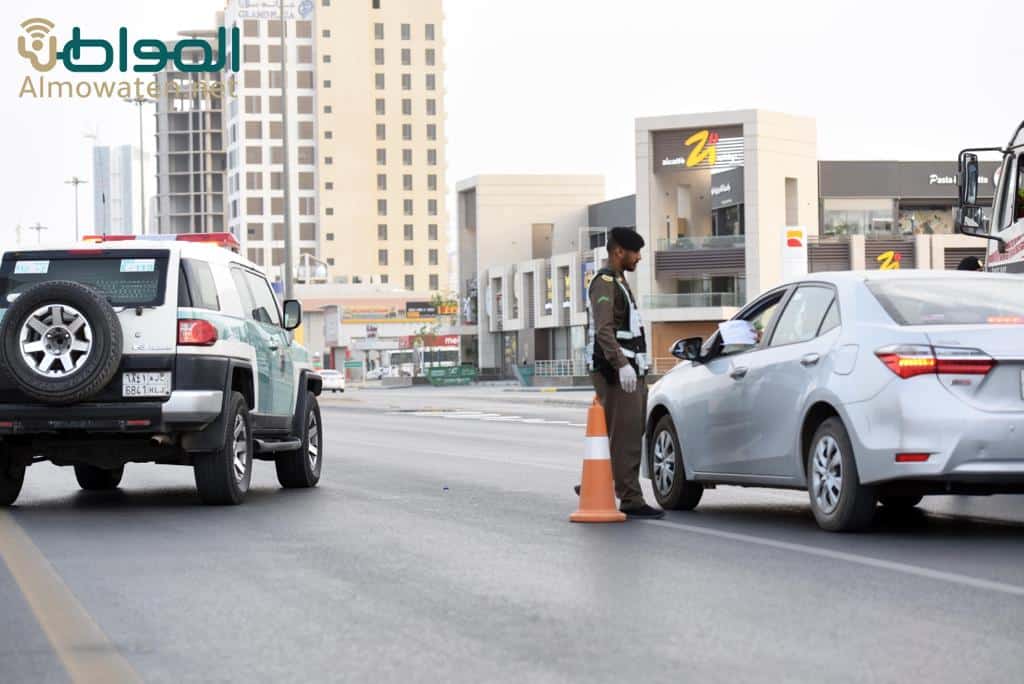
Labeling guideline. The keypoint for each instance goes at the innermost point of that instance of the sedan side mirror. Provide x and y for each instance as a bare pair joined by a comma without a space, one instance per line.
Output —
687,349
292,314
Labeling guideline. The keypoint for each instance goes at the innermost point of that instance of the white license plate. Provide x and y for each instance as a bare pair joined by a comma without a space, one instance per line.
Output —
146,384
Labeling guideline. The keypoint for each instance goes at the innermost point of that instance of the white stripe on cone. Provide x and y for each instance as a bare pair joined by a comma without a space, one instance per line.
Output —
596,448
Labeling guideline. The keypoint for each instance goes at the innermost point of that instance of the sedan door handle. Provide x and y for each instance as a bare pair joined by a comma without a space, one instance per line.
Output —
810,359
738,373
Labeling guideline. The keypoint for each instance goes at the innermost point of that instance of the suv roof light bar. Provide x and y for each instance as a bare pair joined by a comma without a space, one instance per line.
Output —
226,240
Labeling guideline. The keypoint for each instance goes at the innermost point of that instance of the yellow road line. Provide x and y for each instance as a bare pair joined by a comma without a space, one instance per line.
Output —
83,648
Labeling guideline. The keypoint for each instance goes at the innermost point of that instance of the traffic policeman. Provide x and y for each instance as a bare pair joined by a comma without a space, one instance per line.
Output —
617,347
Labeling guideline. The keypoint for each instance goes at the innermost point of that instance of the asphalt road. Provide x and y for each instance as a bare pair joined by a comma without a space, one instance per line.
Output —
437,548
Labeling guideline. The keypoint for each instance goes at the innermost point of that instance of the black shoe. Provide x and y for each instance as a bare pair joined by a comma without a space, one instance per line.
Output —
644,512
576,489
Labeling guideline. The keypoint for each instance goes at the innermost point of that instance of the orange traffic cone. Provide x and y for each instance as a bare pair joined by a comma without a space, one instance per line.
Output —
597,493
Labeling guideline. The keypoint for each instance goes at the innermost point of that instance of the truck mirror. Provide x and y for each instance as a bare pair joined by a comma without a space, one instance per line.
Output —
968,179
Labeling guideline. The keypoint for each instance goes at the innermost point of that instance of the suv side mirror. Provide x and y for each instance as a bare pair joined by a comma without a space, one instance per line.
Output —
292,314
967,179
687,349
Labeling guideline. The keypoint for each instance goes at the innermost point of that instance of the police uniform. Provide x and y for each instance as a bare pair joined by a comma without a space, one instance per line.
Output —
617,338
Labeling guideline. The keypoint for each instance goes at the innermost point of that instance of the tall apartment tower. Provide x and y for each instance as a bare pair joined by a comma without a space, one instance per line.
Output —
381,124
113,190
190,159
255,153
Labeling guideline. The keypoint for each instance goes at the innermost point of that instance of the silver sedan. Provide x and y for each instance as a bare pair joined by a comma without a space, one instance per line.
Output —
862,387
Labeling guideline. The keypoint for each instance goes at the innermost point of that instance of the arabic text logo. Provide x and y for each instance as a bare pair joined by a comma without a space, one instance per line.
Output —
39,42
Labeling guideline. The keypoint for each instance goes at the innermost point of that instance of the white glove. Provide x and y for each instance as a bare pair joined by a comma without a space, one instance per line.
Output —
627,378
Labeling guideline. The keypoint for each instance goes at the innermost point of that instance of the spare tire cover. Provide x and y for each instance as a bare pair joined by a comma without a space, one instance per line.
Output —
60,342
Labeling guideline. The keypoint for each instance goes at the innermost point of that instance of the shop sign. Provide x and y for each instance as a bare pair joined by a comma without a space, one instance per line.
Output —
451,375
420,310
794,252
698,148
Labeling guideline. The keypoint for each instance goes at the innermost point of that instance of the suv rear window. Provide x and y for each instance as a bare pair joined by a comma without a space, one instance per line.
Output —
127,278
950,302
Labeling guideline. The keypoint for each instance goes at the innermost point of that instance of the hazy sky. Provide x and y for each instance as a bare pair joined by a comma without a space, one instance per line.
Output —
553,86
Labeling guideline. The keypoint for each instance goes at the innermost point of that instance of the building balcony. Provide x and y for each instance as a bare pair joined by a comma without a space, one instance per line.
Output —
704,300
708,242
700,256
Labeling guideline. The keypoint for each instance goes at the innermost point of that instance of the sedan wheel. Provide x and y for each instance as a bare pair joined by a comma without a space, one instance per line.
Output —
671,488
839,501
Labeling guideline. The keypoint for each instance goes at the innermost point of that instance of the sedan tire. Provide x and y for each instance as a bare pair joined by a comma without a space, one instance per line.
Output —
839,501
671,488
900,502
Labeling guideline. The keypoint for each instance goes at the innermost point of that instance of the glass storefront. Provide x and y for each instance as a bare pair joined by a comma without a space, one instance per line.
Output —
728,221
926,220
871,217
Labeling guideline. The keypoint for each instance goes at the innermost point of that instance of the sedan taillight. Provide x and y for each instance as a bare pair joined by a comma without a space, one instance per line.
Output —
196,332
908,360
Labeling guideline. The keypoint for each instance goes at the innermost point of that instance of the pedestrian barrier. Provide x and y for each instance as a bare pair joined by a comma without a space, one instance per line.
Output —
597,491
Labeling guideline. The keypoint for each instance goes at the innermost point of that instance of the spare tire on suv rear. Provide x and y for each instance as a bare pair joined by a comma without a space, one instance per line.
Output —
60,342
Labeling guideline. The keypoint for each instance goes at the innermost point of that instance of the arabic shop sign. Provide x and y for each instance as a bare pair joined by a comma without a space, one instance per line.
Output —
39,46
714,148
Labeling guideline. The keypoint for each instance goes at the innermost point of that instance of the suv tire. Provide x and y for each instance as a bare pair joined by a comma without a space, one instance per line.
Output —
672,490
86,319
839,501
223,476
301,469
95,479
12,476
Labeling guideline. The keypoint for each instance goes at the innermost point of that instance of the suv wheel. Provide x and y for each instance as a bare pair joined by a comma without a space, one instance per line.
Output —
60,342
839,501
223,476
671,488
300,469
12,476
92,478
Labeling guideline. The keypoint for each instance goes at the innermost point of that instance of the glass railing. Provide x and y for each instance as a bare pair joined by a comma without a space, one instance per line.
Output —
709,242
688,301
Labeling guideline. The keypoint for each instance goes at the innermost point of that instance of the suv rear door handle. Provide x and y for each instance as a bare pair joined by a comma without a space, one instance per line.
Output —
738,373
809,360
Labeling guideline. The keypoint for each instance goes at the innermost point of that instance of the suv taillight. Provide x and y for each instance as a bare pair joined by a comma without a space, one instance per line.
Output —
196,332
908,360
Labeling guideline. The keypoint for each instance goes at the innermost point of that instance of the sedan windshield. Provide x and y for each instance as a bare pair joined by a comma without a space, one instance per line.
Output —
957,301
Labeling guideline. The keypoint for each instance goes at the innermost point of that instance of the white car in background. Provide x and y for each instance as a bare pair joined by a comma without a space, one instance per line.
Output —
333,381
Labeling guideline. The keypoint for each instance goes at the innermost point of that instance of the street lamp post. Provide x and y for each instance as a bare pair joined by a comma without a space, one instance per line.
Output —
139,101
39,228
76,181
285,175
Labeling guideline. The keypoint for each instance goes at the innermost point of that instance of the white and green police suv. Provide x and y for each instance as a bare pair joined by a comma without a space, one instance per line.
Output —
159,351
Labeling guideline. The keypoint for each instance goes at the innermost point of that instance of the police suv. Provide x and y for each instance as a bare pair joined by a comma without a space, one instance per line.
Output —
175,351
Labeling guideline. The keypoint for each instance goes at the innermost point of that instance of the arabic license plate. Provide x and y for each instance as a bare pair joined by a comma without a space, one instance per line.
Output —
156,384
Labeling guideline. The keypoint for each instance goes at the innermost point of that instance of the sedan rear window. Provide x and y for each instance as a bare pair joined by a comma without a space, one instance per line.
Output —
951,302
126,278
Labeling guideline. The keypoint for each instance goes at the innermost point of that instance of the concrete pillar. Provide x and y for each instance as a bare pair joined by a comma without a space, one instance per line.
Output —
857,258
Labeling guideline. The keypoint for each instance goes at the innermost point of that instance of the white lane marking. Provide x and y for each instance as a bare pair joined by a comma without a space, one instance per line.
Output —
878,563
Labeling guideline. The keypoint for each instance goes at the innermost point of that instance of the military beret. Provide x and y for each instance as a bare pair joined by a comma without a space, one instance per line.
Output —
627,238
